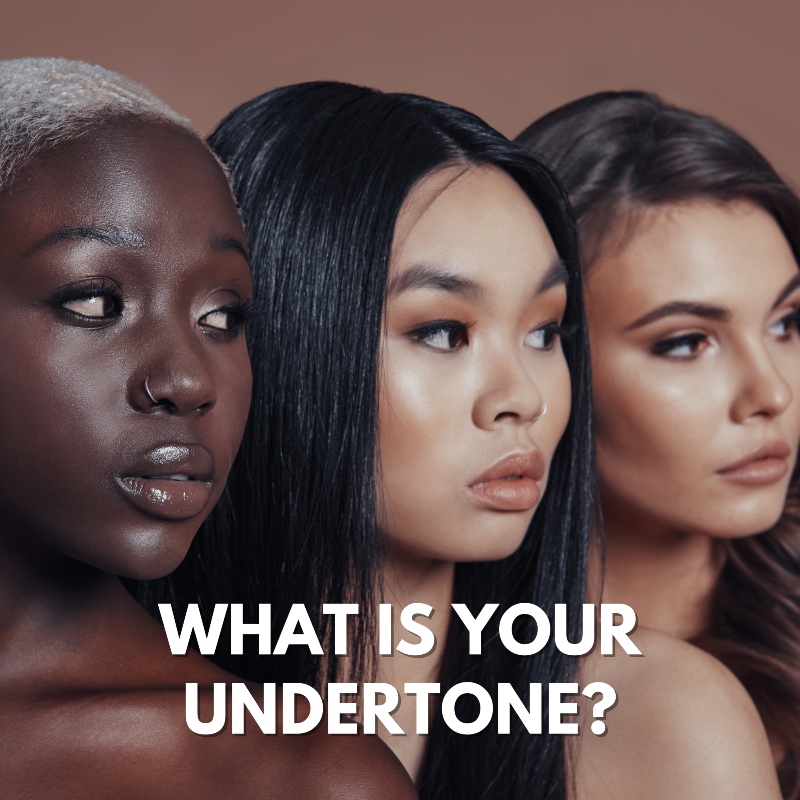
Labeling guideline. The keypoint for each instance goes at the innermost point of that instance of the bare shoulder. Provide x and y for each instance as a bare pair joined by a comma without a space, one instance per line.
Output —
683,727
359,767
135,744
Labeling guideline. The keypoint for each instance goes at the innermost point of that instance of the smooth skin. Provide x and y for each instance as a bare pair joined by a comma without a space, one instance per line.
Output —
123,260
696,364
683,727
470,357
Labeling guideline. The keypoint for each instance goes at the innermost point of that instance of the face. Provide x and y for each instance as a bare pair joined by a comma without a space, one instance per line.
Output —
696,371
471,359
126,382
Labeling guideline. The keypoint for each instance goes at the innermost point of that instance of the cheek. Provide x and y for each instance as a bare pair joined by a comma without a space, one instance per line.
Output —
60,408
418,411
656,420
556,389
234,381
61,390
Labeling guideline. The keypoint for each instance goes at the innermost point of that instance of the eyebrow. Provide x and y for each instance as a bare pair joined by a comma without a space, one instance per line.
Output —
424,276
681,307
788,289
229,244
704,310
114,237
123,237
556,275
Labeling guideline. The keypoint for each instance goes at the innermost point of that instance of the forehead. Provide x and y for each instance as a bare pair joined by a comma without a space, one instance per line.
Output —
732,255
476,220
128,173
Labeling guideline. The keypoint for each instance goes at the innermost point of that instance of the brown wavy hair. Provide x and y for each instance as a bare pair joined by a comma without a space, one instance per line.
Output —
618,154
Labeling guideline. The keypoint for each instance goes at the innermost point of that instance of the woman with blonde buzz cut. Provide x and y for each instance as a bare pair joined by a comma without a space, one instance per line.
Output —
124,288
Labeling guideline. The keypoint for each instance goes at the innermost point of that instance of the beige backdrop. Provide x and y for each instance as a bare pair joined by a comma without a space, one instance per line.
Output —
507,60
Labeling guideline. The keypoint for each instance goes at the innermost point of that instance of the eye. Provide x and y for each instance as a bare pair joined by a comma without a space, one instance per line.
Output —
100,306
94,301
443,335
227,319
783,328
544,338
687,346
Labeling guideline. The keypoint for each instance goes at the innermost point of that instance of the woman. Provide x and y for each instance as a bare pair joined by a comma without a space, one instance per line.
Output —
126,383
422,324
690,244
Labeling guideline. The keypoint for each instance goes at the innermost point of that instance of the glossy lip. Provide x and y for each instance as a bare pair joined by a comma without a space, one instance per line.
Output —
511,484
765,465
171,481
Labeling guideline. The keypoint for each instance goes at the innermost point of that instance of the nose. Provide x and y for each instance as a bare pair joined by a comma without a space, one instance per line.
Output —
174,379
509,395
763,391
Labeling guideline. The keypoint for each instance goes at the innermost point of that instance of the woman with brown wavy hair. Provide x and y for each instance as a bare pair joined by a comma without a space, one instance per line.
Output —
691,245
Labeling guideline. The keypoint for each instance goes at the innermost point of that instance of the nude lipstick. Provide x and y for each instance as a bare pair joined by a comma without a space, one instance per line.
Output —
171,481
512,483
765,465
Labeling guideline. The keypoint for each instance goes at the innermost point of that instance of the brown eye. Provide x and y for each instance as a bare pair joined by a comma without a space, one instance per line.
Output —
217,319
687,346
446,335
226,319
783,327
99,306
543,338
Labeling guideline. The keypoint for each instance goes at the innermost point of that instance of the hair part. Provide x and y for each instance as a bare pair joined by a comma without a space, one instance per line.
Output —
45,102
623,154
619,154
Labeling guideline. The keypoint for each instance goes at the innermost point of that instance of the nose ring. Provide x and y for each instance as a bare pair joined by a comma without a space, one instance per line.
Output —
541,414
150,396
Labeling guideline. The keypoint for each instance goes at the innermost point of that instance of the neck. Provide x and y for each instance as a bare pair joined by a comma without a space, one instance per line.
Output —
413,580
56,617
667,576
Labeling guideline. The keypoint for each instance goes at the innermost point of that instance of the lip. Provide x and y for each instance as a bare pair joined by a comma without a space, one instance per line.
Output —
767,464
171,481
511,484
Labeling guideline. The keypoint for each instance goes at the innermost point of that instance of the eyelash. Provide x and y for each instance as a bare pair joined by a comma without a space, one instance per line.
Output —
238,313
449,326
460,330
667,347
792,321
555,331
86,291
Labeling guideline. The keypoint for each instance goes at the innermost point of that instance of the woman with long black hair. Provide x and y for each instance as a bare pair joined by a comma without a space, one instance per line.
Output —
421,389
691,244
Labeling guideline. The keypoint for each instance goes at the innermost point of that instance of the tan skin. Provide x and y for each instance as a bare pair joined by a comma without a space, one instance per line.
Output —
471,354
681,397
682,394
124,261
455,399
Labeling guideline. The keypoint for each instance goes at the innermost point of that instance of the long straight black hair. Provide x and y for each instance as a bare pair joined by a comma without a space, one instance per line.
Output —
321,171
619,153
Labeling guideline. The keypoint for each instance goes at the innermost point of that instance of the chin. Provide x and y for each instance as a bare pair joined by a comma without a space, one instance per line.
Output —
495,544
153,553
733,523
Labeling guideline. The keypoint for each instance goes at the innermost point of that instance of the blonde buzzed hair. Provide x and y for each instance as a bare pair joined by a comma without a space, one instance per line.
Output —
47,101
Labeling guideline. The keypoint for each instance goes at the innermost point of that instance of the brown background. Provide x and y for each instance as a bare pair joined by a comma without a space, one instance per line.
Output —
507,60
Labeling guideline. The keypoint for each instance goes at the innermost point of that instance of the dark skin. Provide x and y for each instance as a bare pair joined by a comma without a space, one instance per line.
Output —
123,261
